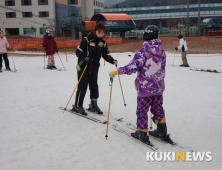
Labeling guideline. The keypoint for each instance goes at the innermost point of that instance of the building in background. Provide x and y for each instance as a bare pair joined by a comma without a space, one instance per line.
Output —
114,22
212,26
27,17
71,13
33,17
89,7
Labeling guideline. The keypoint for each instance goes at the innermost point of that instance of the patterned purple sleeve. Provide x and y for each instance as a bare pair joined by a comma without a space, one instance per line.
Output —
134,65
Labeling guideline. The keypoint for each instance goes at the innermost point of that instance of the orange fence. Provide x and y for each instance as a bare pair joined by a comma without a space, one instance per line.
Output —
21,45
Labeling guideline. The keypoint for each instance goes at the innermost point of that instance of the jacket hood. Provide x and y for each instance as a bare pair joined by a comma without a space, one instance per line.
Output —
154,47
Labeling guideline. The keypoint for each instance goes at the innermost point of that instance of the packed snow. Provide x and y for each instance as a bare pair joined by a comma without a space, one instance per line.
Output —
35,134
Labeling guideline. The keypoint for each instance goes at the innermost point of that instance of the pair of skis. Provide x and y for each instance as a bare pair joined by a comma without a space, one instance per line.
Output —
124,131
91,117
205,70
9,70
153,147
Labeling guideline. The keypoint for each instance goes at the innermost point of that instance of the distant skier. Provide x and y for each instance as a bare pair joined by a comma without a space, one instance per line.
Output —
184,49
89,53
3,51
149,64
50,46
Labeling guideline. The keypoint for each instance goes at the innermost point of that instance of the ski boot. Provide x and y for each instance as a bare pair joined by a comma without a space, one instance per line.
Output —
142,136
161,131
181,65
8,69
54,67
93,107
79,110
49,67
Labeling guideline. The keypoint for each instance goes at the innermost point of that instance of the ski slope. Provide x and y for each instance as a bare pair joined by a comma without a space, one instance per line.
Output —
35,134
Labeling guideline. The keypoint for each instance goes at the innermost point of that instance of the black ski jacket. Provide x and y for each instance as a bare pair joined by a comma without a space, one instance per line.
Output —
94,48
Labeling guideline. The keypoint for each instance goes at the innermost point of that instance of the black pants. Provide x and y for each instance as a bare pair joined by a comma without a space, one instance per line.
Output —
88,78
5,57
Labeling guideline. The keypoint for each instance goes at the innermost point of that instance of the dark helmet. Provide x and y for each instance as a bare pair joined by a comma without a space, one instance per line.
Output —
180,36
151,32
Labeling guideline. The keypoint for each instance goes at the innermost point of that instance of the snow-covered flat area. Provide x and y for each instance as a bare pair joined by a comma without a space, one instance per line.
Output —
36,135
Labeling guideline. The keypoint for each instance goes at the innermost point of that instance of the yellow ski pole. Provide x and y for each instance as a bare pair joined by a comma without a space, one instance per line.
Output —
151,121
174,57
121,86
75,88
111,79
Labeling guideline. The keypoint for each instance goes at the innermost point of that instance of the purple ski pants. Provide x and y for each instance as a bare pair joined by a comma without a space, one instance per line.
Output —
143,105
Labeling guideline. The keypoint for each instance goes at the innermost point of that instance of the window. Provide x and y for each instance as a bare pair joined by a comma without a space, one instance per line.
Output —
73,2
43,2
73,13
94,2
26,2
44,14
43,30
10,15
27,14
28,31
9,2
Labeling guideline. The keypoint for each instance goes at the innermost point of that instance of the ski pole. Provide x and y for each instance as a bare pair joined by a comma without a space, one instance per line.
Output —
75,88
121,86
13,62
151,121
174,57
61,62
44,58
111,80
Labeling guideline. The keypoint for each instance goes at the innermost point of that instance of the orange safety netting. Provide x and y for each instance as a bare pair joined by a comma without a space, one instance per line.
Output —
37,43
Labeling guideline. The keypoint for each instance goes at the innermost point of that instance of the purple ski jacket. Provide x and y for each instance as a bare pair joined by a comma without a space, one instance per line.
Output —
149,63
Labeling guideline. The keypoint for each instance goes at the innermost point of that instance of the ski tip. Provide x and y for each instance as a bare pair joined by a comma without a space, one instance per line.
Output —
115,126
118,119
128,124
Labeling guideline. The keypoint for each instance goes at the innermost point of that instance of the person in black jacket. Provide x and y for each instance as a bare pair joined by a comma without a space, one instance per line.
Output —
89,53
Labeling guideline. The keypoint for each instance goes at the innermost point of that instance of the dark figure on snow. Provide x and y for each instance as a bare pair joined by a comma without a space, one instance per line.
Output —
149,64
3,51
89,53
184,49
50,48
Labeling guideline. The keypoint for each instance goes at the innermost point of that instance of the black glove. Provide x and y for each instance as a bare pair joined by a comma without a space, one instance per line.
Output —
88,60
176,48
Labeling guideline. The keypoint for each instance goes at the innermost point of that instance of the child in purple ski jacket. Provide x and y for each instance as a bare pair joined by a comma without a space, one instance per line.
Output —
149,64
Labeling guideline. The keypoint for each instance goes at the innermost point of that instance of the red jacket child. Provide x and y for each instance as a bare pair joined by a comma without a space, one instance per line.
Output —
50,48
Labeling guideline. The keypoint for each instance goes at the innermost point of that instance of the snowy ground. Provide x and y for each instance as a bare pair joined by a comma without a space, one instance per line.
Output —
35,134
